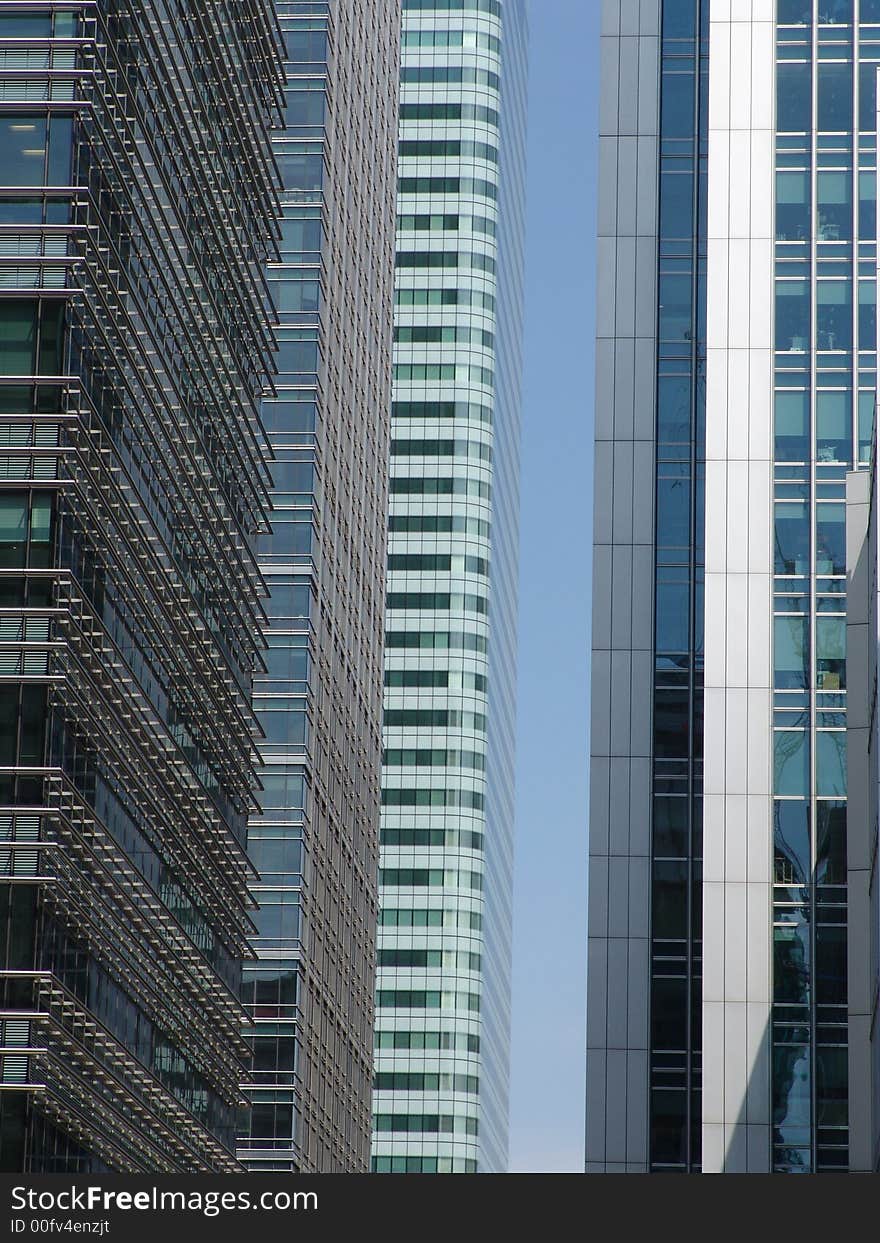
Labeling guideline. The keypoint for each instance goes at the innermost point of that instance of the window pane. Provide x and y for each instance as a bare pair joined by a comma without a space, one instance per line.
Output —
793,103
833,426
18,336
834,206
676,205
791,841
868,205
792,535
792,1104
830,843
792,206
831,653
669,912
831,538
676,309
866,425
791,763
791,960
830,965
673,511
832,1080
835,113
794,12
867,315
22,149
830,764
673,605
677,112
792,427
791,653
834,315
792,315
674,408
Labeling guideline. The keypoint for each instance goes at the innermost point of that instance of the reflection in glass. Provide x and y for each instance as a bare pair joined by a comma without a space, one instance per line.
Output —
791,752
793,205
833,205
834,315
792,1104
831,968
677,108
831,1086
867,315
674,408
791,959
833,425
792,426
792,537
673,507
831,655
830,843
835,94
791,842
792,315
676,204
794,12
676,312
867,403
831,763
868,203
794,105
831,537
791,648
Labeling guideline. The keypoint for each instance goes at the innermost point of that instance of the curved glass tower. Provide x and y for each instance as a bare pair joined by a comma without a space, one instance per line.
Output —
443,993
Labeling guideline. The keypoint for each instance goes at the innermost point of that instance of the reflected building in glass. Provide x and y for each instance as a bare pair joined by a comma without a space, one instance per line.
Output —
138,207
737,358
443,992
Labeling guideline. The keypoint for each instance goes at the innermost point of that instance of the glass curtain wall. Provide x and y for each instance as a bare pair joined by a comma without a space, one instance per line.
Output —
446,843
825,341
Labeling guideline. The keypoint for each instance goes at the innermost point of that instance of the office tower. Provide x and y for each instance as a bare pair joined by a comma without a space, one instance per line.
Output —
443,991
138,201
315,841
736,382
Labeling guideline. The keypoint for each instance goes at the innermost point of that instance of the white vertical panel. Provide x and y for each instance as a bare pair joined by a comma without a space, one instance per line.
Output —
737,822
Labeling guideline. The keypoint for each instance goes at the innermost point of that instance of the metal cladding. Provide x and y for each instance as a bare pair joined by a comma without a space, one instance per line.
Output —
138,207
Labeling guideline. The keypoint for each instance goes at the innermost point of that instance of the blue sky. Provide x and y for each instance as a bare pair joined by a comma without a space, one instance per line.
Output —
547,1104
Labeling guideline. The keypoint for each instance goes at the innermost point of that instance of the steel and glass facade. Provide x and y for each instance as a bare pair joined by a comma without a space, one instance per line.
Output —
443,991
645,908
138,202
309,995
778,315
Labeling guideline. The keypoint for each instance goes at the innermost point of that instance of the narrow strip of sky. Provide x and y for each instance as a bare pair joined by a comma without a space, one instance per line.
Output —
547,1107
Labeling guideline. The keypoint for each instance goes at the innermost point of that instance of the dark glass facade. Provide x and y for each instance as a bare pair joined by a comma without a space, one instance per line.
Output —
676,840
138,207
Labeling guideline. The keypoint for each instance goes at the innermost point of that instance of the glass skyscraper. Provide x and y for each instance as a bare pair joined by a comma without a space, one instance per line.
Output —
138,202
736,387
443,991
314,842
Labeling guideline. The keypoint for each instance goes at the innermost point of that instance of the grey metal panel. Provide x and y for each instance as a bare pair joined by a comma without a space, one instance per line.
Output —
861,661
618,977
737,824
